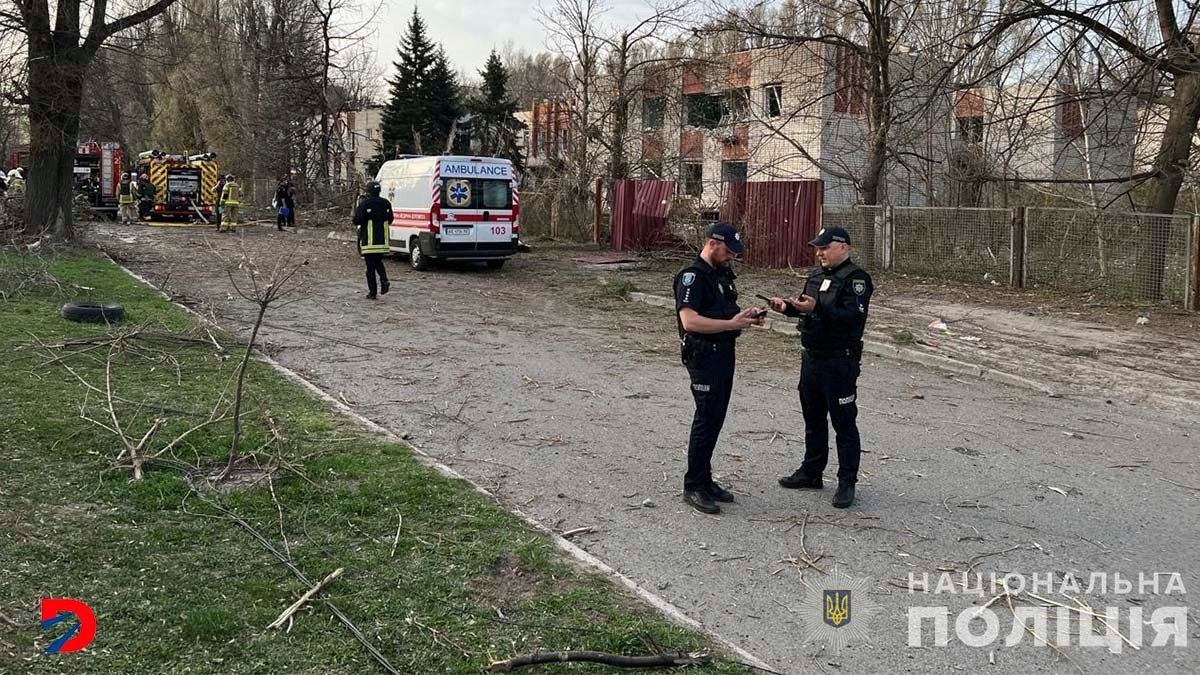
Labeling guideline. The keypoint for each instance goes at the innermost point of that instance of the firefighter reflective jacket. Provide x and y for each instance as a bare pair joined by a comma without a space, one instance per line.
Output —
373,218
128,192
231,194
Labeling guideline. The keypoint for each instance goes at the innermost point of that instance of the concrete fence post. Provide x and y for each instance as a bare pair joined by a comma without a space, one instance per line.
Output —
888,245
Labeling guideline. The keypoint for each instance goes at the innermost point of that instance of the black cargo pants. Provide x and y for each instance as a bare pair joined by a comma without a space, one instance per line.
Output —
375,267
829,393
710,367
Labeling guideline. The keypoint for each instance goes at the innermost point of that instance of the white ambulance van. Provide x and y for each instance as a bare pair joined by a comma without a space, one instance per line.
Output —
452,208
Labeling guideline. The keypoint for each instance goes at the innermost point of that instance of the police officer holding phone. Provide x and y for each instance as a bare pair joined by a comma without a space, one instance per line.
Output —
833,315
709,322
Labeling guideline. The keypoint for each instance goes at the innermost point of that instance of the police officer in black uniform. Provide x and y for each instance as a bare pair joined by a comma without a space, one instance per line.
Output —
833,315
709,322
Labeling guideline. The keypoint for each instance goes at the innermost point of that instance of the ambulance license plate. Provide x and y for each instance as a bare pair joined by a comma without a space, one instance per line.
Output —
456,231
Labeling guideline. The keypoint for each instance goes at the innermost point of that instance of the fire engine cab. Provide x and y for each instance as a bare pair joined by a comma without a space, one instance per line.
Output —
184,185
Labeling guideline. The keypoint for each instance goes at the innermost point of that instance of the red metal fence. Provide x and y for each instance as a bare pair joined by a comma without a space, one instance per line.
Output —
639,218
777,220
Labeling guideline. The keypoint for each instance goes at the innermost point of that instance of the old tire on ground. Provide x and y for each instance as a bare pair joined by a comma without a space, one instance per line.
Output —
92,312
416,258
495,264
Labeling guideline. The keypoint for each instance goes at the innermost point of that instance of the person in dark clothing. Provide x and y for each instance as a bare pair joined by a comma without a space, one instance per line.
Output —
709,322
218,190
373,218
285,202
145,197
833,315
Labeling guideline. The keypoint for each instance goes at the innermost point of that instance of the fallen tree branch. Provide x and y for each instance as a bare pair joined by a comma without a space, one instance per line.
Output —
655,661
295,607
358,634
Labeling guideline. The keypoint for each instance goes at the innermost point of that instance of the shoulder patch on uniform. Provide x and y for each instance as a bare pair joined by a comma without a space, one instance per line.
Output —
689,278
859,286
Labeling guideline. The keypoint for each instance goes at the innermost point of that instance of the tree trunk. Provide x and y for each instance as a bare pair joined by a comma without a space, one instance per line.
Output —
326,64
621,113
1170,164
56,97
879,108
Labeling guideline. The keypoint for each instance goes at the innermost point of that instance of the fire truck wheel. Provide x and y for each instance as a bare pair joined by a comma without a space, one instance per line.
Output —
92,312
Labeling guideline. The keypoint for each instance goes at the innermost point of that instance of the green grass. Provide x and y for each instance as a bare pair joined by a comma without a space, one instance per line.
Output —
178,587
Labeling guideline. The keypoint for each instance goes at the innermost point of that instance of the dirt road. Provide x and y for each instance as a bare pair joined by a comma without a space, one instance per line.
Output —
541,383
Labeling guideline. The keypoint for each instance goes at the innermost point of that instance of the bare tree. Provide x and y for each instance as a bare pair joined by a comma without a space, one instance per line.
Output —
880,77
634,55
340,65
571,27
59,56
1163,66
264,292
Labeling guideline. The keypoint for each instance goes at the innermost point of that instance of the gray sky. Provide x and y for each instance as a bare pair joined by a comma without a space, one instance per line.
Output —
469,29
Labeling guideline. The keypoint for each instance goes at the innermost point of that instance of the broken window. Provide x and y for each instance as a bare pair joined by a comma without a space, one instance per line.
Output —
703,111
653,111
733,172
773,100
693,179
970,129
735,105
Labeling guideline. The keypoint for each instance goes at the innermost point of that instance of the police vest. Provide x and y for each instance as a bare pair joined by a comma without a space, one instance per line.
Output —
827,288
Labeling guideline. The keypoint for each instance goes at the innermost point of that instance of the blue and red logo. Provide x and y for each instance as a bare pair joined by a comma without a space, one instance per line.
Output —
80,634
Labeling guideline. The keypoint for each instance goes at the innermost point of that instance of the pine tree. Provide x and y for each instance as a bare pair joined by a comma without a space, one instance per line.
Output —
405,118
440,93
493,122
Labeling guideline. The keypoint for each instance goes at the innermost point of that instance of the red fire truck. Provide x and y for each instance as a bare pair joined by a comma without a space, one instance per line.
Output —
97,172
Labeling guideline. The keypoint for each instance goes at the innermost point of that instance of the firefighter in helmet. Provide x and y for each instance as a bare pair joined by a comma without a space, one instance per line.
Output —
373,217
127,193
231,200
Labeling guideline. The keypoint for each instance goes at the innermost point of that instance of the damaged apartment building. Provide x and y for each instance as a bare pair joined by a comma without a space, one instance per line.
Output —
1051,139
792,112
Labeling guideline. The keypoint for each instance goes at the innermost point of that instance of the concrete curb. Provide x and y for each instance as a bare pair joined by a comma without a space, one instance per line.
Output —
892,351
582,557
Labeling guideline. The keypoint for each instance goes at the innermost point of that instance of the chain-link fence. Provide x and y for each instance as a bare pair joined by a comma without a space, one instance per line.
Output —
960,243
865,225
549,213
1126,256
1122,255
